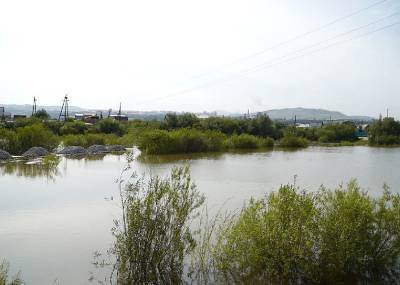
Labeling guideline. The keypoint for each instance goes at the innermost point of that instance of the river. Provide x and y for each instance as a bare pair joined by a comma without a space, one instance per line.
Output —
52,220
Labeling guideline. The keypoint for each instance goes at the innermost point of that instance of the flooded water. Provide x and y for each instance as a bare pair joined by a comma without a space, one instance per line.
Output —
53,219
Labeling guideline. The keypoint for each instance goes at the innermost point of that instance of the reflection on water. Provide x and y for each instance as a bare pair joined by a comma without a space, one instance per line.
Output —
43,168
171,158
47,167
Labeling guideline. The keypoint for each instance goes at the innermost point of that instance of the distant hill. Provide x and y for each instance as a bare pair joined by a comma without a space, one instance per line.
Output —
311,114
284,114
54,111
26,109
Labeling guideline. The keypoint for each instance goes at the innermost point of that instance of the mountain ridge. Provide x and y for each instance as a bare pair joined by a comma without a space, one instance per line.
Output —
276,114
311,114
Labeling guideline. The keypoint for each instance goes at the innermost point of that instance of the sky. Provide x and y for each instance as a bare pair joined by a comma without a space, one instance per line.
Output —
185,55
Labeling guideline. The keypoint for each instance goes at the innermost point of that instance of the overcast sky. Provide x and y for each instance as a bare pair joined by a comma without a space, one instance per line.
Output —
194,55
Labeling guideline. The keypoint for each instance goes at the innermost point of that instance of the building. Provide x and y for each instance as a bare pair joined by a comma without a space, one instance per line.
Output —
119,117
87,118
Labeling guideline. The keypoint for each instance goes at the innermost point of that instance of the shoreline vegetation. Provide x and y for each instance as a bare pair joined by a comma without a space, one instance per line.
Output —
289,236
187,133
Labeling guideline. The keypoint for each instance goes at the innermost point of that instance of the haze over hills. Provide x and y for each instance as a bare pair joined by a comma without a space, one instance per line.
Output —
312,114
282,114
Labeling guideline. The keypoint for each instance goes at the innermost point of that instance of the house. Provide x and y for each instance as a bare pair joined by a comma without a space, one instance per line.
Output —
87,118
119,117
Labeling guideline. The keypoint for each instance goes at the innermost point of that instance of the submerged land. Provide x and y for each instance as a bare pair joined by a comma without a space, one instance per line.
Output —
187,133
325,235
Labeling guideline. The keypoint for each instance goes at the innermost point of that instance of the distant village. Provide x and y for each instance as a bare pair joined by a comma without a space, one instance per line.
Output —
91,117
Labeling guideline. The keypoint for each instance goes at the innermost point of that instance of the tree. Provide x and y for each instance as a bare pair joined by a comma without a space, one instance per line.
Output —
42,114
262,126
384,132
170,121
36,135
110,126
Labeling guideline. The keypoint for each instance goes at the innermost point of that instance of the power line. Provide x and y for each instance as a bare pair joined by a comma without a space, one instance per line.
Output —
285,42
330,39
265,65
327,47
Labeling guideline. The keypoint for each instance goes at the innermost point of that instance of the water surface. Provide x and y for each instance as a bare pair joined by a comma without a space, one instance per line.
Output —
52,220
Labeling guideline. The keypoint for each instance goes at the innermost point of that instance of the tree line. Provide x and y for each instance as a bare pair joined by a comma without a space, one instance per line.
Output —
187,133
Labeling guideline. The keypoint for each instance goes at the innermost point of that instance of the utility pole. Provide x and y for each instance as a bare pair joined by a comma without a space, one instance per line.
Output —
64,109
34,106
387,113
119,112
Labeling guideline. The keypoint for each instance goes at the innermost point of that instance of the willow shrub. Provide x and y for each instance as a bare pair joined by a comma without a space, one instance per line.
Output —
9,141
153,236
36,135
91,139
180,141
4,275
192,140
293,141
22,138
245,141
342,236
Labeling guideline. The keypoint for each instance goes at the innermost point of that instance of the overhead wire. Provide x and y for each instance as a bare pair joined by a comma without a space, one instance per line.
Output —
271,63
286,42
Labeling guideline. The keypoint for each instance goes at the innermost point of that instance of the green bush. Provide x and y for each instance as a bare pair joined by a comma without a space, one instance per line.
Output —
342,236
74,140
73,128
384,132
337,133
110,126
90,139
156,142
154,235
53,126
180,141
266,142
9,141
36,135
292,141
244,141
23,122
